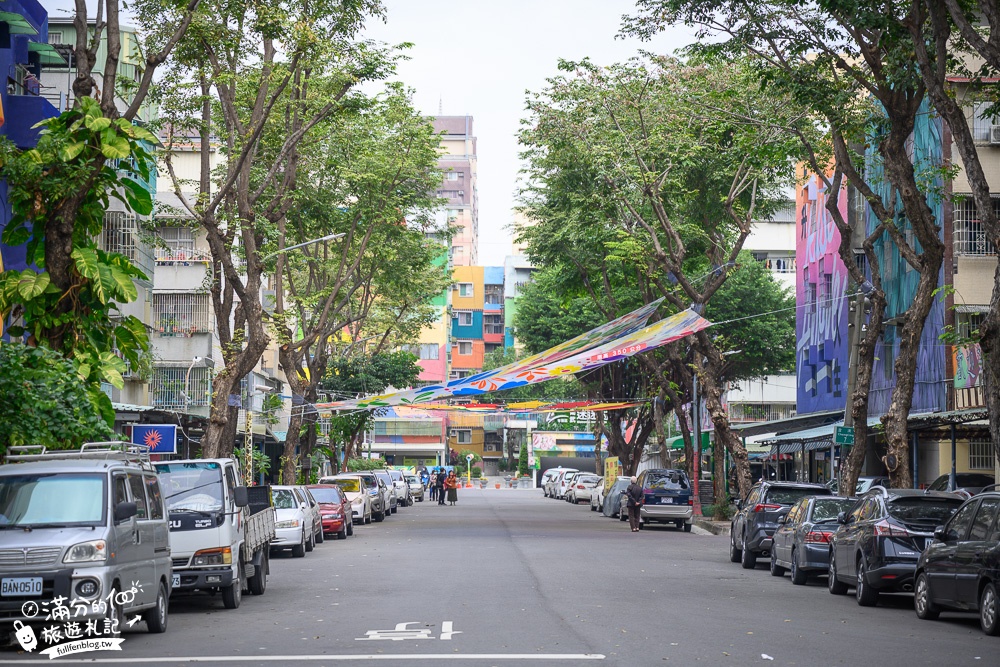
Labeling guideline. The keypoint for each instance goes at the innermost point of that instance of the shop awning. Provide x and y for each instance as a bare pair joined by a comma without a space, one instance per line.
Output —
17,24
47,54
678,442
796,423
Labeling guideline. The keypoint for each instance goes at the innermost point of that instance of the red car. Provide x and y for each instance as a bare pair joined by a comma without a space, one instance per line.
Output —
334,508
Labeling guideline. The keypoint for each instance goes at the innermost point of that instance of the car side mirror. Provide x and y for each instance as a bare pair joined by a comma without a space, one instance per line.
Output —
303,506
940,535
842,518
241,496
124,511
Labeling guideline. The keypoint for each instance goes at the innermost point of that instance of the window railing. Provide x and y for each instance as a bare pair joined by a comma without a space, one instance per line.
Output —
181,314
121,234
970,235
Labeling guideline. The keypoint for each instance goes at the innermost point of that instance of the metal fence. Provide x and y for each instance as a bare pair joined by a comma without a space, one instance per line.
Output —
121,234
169,385
970,236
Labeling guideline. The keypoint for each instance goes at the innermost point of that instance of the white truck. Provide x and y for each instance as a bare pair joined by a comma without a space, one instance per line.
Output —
220,531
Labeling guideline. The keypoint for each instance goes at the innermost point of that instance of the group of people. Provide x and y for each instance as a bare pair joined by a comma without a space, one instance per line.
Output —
442,486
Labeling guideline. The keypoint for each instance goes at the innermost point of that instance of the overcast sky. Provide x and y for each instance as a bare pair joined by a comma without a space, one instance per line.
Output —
479,57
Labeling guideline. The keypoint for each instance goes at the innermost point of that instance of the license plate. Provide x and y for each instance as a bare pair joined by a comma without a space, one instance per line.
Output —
21,586
666,501
175,581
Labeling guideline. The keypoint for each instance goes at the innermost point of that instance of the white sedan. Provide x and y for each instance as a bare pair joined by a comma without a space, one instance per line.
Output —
293,522
354,488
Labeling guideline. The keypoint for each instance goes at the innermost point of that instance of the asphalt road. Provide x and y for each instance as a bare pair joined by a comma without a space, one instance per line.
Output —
508,577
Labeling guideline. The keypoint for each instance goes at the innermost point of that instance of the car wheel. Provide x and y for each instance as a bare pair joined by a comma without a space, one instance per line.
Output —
833,584
367,519
299,550
734,553
679,525
622,516
687,527
379,517
865,594
926,610
988,611
776,570
320,537
749,558
233,596
798,574
258,582
350,528
342,533
393,510
156,618
311,543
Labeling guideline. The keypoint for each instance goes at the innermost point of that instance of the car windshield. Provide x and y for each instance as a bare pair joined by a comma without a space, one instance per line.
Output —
370,481
384,476
923,509
827,509
52,499
972,479
284,499
667,481
325,495
787,496
412,479
192,486
352,485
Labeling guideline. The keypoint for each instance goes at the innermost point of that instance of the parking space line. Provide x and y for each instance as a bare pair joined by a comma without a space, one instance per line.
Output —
329,658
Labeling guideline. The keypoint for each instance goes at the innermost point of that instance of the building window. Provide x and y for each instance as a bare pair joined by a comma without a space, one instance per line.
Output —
980,454
463,436
454,176
172,388
453,213
969,324
55,38
181,314
492,347
982,124
122,234
429,351
970,236
465,289
493,324
464,318
465,347
177,245
458,375
494,294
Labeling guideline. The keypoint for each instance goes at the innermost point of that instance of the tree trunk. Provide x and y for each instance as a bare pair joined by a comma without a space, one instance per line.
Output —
855,460
712,393
290,366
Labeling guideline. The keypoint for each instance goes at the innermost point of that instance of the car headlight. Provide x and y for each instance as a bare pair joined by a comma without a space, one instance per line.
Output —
360,500
331,516
217,556
293,523
87,552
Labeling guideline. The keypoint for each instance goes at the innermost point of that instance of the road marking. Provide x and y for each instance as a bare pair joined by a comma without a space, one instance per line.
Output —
328,658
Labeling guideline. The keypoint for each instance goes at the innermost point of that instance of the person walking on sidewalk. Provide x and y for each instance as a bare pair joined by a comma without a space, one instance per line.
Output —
451,484
633,495
439,486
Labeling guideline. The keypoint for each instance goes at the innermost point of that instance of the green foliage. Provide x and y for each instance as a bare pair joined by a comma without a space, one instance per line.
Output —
462,466
360,464
43,402
261,461
522,461
719,511
72,305
371,374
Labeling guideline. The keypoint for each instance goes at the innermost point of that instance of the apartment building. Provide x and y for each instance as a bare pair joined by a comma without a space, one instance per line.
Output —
459,164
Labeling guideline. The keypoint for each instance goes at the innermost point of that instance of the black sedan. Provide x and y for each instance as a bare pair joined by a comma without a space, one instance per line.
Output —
802,541
877,545
960,569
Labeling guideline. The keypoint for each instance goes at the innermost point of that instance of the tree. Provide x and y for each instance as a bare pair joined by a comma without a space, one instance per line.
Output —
360,375
636,164
239,73
852,64
372,164
522,461
43,402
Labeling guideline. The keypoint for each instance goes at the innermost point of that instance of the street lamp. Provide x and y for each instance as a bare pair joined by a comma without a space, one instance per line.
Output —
328,237
209,362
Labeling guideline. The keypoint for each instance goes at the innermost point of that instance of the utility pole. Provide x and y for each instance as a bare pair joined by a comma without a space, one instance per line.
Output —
854,333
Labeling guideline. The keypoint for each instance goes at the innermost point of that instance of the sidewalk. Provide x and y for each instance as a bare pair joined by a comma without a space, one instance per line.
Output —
714,527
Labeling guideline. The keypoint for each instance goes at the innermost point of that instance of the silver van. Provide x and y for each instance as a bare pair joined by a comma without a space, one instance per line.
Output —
78,525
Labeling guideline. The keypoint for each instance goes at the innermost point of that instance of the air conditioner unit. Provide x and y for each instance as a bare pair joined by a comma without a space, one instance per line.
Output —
995,134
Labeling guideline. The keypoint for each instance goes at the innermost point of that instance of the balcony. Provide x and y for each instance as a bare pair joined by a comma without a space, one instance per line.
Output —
22,112
181,314
122,235
172,389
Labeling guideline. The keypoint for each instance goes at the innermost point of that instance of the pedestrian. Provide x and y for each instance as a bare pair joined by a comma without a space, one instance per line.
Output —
633,495
432,484
451,483
439,486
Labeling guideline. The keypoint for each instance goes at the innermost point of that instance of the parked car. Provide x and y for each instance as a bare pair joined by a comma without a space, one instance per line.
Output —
354,488
380,495
864,483
293,526
878,543
613,498
597,496
315,512
960,569
563,483
666,497
402,488
393,496
334,508
80,526
970,483
581,487
416,488
550,480
757,517
801,544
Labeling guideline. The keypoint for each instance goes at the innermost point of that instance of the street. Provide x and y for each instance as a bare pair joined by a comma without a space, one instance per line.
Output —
509,576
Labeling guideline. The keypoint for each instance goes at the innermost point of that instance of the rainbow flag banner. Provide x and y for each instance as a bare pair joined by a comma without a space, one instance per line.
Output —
614,341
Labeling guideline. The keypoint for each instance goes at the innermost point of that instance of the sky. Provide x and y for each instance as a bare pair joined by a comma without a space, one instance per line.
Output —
478,58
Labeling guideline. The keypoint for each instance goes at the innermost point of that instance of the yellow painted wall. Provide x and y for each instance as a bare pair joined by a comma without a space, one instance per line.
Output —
468,274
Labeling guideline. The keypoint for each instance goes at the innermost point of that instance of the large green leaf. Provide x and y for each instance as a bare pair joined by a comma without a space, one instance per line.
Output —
139,198
73,149
114,146
105,285
31,285
86,262
97,124
126,288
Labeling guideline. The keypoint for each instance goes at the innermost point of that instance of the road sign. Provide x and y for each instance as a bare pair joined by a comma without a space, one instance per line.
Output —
843,435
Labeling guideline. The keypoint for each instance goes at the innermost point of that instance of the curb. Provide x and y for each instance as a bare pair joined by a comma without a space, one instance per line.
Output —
714,527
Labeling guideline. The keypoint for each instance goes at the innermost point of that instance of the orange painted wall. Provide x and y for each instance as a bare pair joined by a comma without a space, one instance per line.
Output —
474,360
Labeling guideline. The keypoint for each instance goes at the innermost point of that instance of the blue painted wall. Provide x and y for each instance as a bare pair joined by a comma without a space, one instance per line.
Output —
474,332
493,275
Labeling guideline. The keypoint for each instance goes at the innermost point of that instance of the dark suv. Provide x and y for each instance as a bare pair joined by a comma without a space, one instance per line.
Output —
879,541
960,569
757,517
